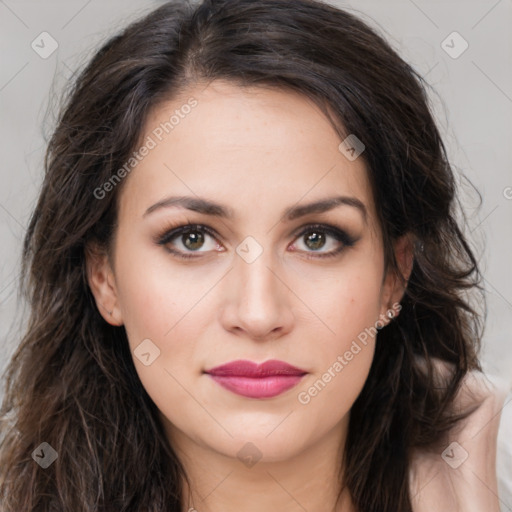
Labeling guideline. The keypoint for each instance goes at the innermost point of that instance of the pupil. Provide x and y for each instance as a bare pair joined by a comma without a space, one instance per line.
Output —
196,237
317,239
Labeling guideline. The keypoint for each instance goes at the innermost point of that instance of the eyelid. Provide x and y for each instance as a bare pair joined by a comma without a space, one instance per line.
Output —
172,231
327,228
336,232
345,239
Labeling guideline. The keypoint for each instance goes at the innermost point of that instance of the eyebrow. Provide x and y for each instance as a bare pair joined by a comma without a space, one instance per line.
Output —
200,205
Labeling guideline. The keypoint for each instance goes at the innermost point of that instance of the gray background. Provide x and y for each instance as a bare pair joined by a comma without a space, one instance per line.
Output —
473,106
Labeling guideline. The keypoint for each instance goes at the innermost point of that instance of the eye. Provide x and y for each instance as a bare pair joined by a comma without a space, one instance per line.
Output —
197,238
316,237
189,237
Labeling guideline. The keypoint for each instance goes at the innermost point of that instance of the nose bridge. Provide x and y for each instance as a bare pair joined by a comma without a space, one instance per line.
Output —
253,271
260,302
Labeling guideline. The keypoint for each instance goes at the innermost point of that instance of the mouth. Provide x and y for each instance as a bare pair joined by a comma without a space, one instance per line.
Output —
253,380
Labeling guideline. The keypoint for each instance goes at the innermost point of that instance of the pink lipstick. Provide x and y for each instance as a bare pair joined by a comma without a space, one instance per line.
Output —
254,380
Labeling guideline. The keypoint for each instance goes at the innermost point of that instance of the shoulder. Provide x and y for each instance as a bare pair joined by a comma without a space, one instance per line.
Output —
461,474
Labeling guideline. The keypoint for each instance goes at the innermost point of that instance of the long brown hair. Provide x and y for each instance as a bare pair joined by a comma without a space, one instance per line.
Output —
72,382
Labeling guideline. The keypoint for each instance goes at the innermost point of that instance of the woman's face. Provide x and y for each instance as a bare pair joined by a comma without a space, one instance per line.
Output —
253,280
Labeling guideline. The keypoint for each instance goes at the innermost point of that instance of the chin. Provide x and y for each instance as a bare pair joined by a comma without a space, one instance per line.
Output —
263,444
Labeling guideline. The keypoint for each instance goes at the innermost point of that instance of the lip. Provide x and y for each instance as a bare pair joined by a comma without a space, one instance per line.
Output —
253,380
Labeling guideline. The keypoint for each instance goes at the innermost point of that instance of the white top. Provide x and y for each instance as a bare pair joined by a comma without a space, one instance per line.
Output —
460,474
504,455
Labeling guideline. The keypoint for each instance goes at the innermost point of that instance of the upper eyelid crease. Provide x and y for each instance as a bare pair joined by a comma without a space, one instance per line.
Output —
207,207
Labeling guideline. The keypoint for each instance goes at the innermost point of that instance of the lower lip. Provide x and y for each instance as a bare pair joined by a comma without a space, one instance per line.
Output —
261,387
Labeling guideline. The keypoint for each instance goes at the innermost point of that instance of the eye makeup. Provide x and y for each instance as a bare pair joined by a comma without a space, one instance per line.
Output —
170,234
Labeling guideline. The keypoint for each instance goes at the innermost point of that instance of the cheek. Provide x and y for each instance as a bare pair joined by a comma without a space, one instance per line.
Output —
163,317
343,358
350,304
157,298
346,299
329,395
160,320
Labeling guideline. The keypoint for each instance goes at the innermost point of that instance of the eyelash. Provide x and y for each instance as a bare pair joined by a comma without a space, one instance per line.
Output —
341,236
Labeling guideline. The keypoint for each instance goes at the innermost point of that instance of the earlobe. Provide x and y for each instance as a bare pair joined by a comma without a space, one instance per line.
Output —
100,278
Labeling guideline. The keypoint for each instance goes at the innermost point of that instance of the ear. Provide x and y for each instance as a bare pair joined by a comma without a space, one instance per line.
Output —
394,285
100,278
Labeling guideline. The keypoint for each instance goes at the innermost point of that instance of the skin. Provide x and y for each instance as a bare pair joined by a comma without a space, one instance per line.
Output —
257,151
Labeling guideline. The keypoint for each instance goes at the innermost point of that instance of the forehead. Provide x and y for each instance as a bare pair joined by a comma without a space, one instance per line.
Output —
258,150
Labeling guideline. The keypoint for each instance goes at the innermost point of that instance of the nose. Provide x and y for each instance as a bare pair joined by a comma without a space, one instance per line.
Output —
257,300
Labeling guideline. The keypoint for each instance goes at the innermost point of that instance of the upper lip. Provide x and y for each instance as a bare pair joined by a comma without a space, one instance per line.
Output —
243,368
